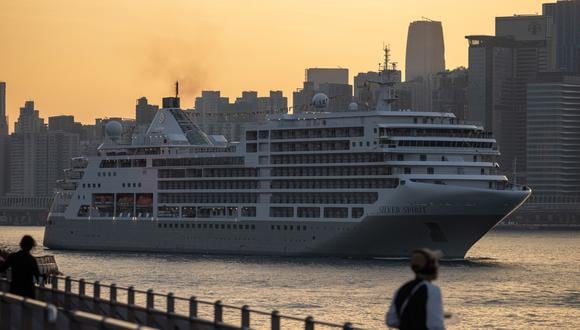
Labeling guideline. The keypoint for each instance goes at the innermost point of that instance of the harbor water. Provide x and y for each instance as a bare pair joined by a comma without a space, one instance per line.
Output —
512,279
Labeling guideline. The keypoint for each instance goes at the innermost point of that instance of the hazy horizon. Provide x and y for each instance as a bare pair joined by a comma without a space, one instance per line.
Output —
94,59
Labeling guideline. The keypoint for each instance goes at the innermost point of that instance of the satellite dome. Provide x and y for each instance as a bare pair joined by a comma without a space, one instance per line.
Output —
353,106
113,129
320,100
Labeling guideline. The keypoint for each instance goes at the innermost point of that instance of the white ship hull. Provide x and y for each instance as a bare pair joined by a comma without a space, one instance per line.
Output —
449,218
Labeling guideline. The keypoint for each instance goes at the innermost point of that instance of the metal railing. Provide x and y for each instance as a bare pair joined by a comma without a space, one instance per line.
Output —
17,312
192,307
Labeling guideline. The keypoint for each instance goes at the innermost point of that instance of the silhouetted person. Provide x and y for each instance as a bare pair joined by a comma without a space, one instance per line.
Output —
24,268
418,304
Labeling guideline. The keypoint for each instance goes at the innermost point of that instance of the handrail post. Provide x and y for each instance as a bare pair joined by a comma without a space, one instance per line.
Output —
96,290
347,326
150,299
275,320
131,296
218,312
170,303
67,284
81,287
246,317
54,282
113,293
309,323
192,306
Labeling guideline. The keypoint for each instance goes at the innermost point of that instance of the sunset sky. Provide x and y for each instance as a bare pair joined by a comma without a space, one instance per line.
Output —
94,58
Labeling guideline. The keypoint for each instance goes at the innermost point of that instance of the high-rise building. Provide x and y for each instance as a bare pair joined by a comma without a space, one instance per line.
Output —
366,88
3,119
320,76
425,58
4,174
499,69
65,123
333,82
37,156
29,120
425,50
217,116
450,92
144,112
563,24
553,139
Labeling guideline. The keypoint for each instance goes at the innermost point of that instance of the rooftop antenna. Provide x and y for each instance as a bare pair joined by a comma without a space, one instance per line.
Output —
176,88
427,19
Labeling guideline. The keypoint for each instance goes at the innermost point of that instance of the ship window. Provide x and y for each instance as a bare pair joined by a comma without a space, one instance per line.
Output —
205,225
253,227
123,185
430,170
357,212
303,227
368,143
360,144
98,173
247,226
335,212
83,185
182,225
354,144
264,134
223,226
407,170
211,226
423,158
83,211
278,227
251,135
400,157
139,184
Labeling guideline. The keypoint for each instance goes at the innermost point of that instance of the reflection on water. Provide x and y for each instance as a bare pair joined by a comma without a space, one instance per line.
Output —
511,279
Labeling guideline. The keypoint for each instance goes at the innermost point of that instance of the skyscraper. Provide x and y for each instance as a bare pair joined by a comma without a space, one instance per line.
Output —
331,81
37,156
563,22
425,50
3,120
553,143
4,174
327,75
144,112
499,69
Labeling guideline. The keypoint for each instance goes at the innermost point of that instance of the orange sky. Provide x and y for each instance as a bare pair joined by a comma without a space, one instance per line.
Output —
94,58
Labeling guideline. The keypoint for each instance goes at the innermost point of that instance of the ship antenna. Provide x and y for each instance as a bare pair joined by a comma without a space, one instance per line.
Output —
177,89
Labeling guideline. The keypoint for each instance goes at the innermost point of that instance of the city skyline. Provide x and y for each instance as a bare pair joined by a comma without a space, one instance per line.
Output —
61,54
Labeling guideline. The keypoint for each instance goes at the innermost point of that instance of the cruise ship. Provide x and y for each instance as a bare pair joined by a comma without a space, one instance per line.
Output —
359,184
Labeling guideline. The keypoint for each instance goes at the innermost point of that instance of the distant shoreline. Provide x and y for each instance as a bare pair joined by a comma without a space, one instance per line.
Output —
555,227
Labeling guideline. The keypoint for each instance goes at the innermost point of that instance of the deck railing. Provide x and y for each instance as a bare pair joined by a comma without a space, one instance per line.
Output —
215,311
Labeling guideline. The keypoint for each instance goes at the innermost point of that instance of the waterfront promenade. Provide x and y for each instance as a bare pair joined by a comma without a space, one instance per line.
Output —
66,303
